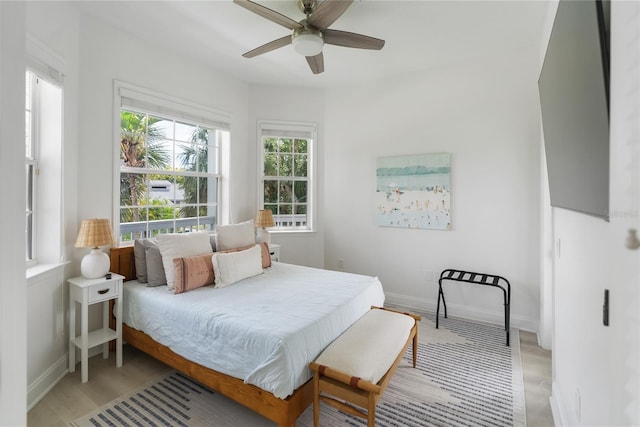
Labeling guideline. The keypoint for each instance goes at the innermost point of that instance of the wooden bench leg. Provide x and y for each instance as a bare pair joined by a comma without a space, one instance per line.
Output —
371,411
415,347
316,399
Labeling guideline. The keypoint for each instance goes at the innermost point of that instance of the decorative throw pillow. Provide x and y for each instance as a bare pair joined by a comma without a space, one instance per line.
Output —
139,246
192,272
264,246
212,241
178,246
154,267
231,267
235,235
266,255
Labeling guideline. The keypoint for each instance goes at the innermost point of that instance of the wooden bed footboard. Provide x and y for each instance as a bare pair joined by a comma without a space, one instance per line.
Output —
284,412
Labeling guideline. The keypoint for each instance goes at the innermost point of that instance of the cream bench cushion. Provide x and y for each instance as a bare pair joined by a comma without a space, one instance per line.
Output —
370,346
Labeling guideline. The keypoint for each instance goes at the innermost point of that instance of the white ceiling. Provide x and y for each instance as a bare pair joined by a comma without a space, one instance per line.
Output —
419,35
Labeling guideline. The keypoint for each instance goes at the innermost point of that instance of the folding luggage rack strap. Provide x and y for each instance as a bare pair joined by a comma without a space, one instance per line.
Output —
479,279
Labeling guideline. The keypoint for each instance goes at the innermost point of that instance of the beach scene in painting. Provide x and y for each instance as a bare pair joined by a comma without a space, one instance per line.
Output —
414,191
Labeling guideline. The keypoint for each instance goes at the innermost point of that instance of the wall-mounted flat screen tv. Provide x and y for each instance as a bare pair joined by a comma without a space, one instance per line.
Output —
574,100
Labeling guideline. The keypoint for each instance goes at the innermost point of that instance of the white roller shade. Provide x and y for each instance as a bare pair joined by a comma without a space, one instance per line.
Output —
275,129
145,102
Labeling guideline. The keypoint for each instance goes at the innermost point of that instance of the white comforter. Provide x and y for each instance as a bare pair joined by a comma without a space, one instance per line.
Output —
264,330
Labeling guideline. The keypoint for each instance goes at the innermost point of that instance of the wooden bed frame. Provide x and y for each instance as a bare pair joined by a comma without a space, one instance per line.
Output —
284,412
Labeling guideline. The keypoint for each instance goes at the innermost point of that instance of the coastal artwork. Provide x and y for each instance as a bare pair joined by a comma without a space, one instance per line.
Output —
414,191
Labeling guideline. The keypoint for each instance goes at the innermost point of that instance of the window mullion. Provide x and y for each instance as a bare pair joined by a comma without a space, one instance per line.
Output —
143,171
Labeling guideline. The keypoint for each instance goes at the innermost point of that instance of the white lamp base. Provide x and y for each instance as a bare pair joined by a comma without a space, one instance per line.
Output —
263,235
95,264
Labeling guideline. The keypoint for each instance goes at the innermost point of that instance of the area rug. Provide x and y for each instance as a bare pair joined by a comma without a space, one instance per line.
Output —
465,376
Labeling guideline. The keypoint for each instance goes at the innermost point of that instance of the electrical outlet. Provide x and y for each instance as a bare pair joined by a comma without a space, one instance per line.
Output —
340,263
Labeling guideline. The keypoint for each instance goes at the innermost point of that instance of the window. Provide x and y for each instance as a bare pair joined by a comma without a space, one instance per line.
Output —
30,163
286,186
170,179
43,160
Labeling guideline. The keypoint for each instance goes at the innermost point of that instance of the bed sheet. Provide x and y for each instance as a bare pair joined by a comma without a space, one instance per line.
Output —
264,330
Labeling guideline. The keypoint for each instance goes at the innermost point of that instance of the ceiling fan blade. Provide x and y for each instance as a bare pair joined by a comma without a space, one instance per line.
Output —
347,39
268,47
316,63
269,14
328,12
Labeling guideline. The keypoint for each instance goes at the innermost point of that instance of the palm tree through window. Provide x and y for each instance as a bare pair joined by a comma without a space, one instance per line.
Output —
169,175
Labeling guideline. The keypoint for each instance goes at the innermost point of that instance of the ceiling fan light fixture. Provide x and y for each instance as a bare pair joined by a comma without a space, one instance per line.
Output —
307,42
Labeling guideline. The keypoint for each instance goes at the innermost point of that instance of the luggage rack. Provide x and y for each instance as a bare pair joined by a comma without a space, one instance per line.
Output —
479,279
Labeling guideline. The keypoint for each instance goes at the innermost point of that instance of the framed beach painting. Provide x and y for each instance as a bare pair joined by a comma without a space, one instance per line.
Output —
414,191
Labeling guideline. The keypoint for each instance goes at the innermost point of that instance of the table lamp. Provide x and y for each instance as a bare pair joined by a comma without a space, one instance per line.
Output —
94,233
264,219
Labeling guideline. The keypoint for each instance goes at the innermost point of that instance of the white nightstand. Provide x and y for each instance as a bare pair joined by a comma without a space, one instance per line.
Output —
274,249
87,292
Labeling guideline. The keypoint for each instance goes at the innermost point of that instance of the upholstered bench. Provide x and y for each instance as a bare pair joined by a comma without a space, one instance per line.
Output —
358,365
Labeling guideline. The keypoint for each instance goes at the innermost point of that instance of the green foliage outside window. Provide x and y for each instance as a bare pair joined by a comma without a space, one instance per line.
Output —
285,175
146,144
140,147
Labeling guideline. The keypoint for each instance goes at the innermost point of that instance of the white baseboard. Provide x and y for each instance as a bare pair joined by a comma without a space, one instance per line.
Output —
465,312
45,382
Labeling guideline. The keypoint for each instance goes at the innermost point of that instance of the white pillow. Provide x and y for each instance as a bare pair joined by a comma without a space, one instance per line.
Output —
231,267
180,246
234,236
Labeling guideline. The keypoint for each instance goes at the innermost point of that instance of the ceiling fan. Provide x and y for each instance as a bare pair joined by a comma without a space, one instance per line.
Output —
310,34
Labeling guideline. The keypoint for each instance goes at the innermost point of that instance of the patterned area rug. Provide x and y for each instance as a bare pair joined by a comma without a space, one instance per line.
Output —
465,376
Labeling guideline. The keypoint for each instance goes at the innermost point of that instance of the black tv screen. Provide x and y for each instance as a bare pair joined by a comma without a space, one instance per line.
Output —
574,86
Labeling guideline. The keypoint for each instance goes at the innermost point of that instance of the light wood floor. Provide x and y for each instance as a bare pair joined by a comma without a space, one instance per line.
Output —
70,399
536,367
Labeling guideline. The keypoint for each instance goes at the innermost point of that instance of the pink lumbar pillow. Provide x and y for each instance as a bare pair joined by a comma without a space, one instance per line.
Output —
192,272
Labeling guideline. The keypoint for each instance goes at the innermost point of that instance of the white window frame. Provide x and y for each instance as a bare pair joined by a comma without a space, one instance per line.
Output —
134,98
46,161
32,161
304,130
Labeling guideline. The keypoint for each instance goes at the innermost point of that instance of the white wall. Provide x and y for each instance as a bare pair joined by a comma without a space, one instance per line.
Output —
484,114
545,332
596,368
293,105
13,296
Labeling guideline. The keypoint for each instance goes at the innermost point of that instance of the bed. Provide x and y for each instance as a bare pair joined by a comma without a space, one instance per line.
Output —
281,334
